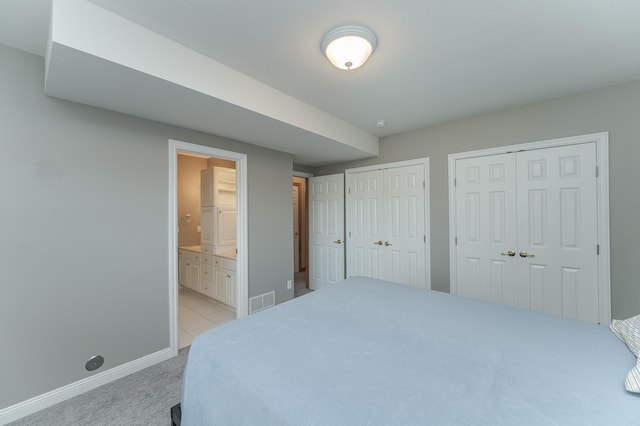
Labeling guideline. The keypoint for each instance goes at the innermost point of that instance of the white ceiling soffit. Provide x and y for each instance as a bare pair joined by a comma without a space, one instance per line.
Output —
98,58
436,60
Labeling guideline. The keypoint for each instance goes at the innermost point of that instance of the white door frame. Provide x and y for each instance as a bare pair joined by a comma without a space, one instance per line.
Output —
602,163
296,228
242,238
427,212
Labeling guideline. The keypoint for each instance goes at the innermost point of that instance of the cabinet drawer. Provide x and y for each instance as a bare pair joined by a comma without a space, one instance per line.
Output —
206,259
206,273
206,249
208,288
223,262
190,255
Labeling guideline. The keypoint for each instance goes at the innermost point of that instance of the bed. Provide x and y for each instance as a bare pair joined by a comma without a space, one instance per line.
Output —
370,352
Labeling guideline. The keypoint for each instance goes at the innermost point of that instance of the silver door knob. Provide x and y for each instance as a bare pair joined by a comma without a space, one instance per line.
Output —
387,244
378,242
525,254
509,253
338,241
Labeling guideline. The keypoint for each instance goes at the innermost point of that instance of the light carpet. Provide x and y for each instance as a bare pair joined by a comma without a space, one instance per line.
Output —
142,398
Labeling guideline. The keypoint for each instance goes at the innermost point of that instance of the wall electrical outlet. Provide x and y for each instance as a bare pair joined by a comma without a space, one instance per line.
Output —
199,228
289,285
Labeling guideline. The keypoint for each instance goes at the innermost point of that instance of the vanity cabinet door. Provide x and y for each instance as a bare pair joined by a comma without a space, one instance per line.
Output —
207,221
231,287
194,274
206,187
222,291
183,271
207,280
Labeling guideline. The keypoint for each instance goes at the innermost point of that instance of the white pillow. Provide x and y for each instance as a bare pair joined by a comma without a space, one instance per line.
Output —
632,382
629,332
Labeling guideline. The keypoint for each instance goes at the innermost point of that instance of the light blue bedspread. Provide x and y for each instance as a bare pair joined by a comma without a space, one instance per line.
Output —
369,352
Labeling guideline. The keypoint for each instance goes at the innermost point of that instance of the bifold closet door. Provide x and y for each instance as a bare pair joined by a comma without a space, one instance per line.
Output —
526,226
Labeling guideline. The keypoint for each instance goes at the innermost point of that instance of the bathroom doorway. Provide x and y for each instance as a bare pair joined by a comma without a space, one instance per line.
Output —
230,282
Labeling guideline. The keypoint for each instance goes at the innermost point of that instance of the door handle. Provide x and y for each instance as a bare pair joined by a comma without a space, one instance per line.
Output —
378,242
387,244
509,253
338,241
525,254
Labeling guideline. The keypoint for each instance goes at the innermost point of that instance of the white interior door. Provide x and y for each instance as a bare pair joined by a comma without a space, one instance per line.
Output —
364,221
326,230
526,227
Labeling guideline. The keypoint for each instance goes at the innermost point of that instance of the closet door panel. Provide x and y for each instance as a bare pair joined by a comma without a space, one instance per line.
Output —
500,285
404,232
557,230
364,222
486,228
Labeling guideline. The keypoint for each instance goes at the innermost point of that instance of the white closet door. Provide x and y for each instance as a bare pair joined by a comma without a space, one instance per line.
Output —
365,215
557,231
386,219
326,230
526,225
486,228
404,225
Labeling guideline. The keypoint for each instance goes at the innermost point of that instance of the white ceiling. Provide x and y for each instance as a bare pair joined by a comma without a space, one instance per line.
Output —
436,60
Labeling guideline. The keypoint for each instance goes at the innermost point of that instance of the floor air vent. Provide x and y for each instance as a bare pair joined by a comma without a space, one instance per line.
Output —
263,301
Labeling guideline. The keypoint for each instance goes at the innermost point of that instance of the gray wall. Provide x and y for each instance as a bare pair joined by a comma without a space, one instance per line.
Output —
84,229
615,109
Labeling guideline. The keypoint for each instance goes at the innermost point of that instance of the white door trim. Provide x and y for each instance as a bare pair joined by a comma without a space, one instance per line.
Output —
302,174
242,240
602,161
427,226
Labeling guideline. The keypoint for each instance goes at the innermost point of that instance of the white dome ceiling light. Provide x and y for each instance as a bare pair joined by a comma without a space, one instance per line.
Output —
349,46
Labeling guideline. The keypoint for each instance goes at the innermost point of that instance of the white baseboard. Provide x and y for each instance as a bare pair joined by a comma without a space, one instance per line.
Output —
55,396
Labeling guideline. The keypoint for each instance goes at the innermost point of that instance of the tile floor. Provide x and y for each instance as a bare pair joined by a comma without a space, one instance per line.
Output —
197,314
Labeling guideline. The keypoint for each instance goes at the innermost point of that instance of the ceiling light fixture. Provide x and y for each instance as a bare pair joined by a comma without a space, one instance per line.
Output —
349,46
